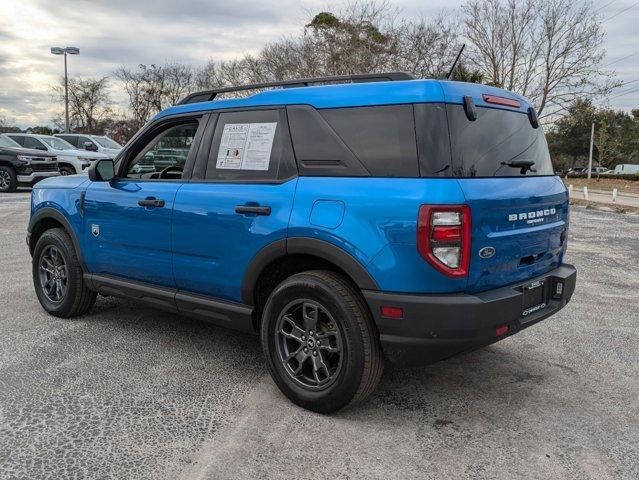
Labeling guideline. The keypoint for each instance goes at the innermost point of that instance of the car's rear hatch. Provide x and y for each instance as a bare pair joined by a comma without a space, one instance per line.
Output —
519,209
518,229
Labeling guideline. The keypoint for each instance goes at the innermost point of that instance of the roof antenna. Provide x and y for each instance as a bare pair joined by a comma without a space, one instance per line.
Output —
450,72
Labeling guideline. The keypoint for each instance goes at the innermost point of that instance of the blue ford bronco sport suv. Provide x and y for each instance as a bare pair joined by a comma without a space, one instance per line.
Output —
344,219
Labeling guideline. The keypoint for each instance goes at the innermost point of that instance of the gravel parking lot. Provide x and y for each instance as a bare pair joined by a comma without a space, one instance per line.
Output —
132,392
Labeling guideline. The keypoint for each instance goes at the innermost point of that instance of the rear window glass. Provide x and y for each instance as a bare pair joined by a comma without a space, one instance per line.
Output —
496,144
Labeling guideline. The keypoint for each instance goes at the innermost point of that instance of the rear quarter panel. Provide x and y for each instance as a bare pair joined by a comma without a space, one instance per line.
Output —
378,225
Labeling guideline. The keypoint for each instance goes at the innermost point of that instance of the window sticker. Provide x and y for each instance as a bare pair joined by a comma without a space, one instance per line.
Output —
246,146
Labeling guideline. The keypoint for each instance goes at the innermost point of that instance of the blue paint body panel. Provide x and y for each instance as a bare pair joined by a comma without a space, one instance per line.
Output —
380,235
492,200
213,245
198,243
134,242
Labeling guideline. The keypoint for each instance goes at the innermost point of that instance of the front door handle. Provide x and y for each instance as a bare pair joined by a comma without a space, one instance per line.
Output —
151,202
252,209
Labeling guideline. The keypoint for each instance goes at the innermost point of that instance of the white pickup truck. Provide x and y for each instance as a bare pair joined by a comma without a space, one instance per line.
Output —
70,160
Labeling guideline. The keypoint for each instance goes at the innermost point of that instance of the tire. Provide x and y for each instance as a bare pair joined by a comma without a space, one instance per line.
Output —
8,179
75,298
67,171
342,321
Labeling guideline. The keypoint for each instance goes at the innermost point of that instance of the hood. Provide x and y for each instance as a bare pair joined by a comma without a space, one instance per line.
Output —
83,153
111,151
63,181
26,151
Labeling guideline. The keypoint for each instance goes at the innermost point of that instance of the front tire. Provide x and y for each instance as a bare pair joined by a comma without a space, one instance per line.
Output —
58,277
8,179
320,342
64,171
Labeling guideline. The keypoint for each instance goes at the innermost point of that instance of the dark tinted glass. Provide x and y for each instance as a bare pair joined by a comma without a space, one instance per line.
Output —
250,146
72,139
30,142
18,139
433,143
484,147
318,149
82,140
382,138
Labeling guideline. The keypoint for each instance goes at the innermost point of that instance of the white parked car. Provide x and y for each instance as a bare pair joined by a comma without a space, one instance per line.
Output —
626,169
70,160
92,143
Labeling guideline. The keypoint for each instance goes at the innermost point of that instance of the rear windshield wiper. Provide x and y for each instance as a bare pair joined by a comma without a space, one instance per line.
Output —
525,165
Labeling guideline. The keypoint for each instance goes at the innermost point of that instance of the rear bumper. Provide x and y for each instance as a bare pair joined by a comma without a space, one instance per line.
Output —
435,327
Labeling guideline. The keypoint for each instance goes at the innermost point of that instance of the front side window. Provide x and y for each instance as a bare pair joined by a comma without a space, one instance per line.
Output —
106,142
499,143
71,139
58,143
164,157
30,142
83,140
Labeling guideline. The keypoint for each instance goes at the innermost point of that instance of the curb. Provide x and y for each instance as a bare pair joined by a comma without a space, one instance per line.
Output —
604,207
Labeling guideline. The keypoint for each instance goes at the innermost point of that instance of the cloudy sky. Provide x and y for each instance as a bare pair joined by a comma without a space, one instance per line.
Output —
128,32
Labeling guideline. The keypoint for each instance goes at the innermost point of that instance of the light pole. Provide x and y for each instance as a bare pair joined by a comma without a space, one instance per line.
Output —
65,51
592,140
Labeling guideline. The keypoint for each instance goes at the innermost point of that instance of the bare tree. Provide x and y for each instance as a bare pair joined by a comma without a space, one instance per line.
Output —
89,101
152,88
365,37
547,50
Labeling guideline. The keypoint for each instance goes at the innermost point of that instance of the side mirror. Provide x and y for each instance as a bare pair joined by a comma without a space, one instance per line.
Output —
102,170
90,146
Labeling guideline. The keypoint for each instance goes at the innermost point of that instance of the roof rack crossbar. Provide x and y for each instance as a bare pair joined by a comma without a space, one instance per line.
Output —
208,95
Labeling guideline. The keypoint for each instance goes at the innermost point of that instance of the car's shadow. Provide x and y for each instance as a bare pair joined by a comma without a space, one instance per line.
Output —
499,374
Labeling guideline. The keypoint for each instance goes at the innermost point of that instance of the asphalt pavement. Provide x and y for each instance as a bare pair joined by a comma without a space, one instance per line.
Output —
134,393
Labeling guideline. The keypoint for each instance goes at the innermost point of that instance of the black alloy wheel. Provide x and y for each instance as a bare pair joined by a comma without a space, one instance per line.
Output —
53,274
309,344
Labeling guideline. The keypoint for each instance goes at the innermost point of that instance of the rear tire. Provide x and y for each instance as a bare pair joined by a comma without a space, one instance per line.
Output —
57,276
8,179
320,342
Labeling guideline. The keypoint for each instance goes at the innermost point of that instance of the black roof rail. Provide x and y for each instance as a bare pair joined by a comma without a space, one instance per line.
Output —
208,95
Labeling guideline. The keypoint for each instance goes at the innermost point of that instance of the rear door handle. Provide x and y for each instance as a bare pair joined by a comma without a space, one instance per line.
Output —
252,209
151,202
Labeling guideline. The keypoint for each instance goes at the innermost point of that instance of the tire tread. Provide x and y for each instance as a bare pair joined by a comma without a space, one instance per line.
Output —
83,296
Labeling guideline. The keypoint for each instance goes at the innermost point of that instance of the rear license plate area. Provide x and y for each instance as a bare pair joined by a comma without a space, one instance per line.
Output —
533,298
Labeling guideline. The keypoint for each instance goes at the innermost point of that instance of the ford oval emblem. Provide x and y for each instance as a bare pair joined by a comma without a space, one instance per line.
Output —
487,252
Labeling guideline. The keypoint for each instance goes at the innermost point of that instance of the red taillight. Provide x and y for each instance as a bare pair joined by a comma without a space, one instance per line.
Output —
507,102
443,238
391,312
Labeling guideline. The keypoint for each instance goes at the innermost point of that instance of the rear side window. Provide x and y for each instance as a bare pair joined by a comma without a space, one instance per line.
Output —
251,146
496,144
433,143
382,138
